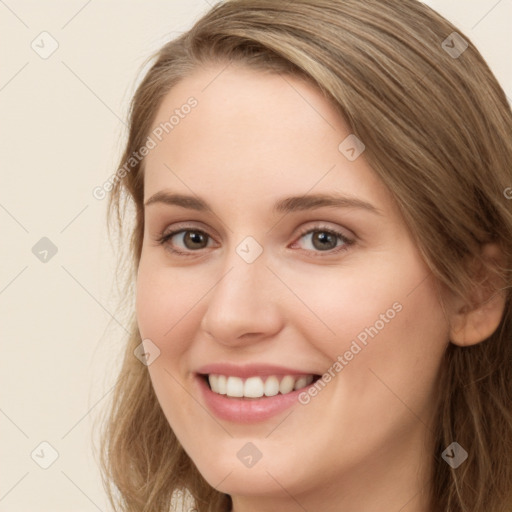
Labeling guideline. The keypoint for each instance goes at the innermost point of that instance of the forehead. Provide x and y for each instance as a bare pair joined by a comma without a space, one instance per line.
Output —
236,100
254,133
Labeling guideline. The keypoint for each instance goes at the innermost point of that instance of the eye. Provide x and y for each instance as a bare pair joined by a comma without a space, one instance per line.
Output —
192,239
325,239
320,239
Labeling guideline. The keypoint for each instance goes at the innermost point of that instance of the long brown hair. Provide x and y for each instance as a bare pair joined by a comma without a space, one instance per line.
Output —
437,129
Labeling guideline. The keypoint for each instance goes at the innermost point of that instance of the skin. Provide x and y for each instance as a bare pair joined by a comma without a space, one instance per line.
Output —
363,443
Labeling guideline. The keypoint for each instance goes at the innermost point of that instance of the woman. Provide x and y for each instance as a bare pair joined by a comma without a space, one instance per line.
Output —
322,250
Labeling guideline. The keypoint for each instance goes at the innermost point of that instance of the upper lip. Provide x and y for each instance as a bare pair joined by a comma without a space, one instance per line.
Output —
249,370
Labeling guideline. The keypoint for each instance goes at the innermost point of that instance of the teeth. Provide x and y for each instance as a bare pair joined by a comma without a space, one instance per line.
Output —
302,382
255,387
222,385
214,382
286,384
235,387
271,386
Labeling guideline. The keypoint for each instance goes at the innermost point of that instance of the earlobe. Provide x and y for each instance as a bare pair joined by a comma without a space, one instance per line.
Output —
473,324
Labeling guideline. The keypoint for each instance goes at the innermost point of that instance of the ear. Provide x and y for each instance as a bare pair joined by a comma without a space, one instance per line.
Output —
471,324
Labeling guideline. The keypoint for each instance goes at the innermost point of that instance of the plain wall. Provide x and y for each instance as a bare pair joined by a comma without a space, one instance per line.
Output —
62,126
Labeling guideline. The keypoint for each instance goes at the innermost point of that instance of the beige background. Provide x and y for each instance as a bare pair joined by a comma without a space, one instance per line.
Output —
61,127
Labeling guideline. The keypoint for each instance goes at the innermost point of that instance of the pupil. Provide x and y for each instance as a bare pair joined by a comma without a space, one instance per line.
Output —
194,237
323,237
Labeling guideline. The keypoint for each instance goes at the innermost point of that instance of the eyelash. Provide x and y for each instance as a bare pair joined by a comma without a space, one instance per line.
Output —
164,238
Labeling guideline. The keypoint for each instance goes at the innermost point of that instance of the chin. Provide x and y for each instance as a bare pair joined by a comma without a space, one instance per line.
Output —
228,474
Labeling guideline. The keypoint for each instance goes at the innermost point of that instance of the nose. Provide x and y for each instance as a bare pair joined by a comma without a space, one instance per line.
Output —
243,306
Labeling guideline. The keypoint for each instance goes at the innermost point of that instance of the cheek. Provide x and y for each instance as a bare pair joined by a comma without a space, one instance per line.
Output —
164,299
164,310
402,346
389,337
393,336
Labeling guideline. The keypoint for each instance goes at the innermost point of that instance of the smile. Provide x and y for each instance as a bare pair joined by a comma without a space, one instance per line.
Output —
257,387
251,393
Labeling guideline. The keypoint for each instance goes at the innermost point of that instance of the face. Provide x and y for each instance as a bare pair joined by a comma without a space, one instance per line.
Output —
272,293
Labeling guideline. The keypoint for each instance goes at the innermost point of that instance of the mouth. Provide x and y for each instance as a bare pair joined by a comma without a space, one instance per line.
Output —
256,387
253,392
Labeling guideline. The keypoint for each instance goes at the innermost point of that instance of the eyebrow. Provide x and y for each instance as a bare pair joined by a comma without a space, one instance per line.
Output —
285,205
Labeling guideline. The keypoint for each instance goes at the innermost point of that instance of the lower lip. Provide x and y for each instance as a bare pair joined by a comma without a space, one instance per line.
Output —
241,410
